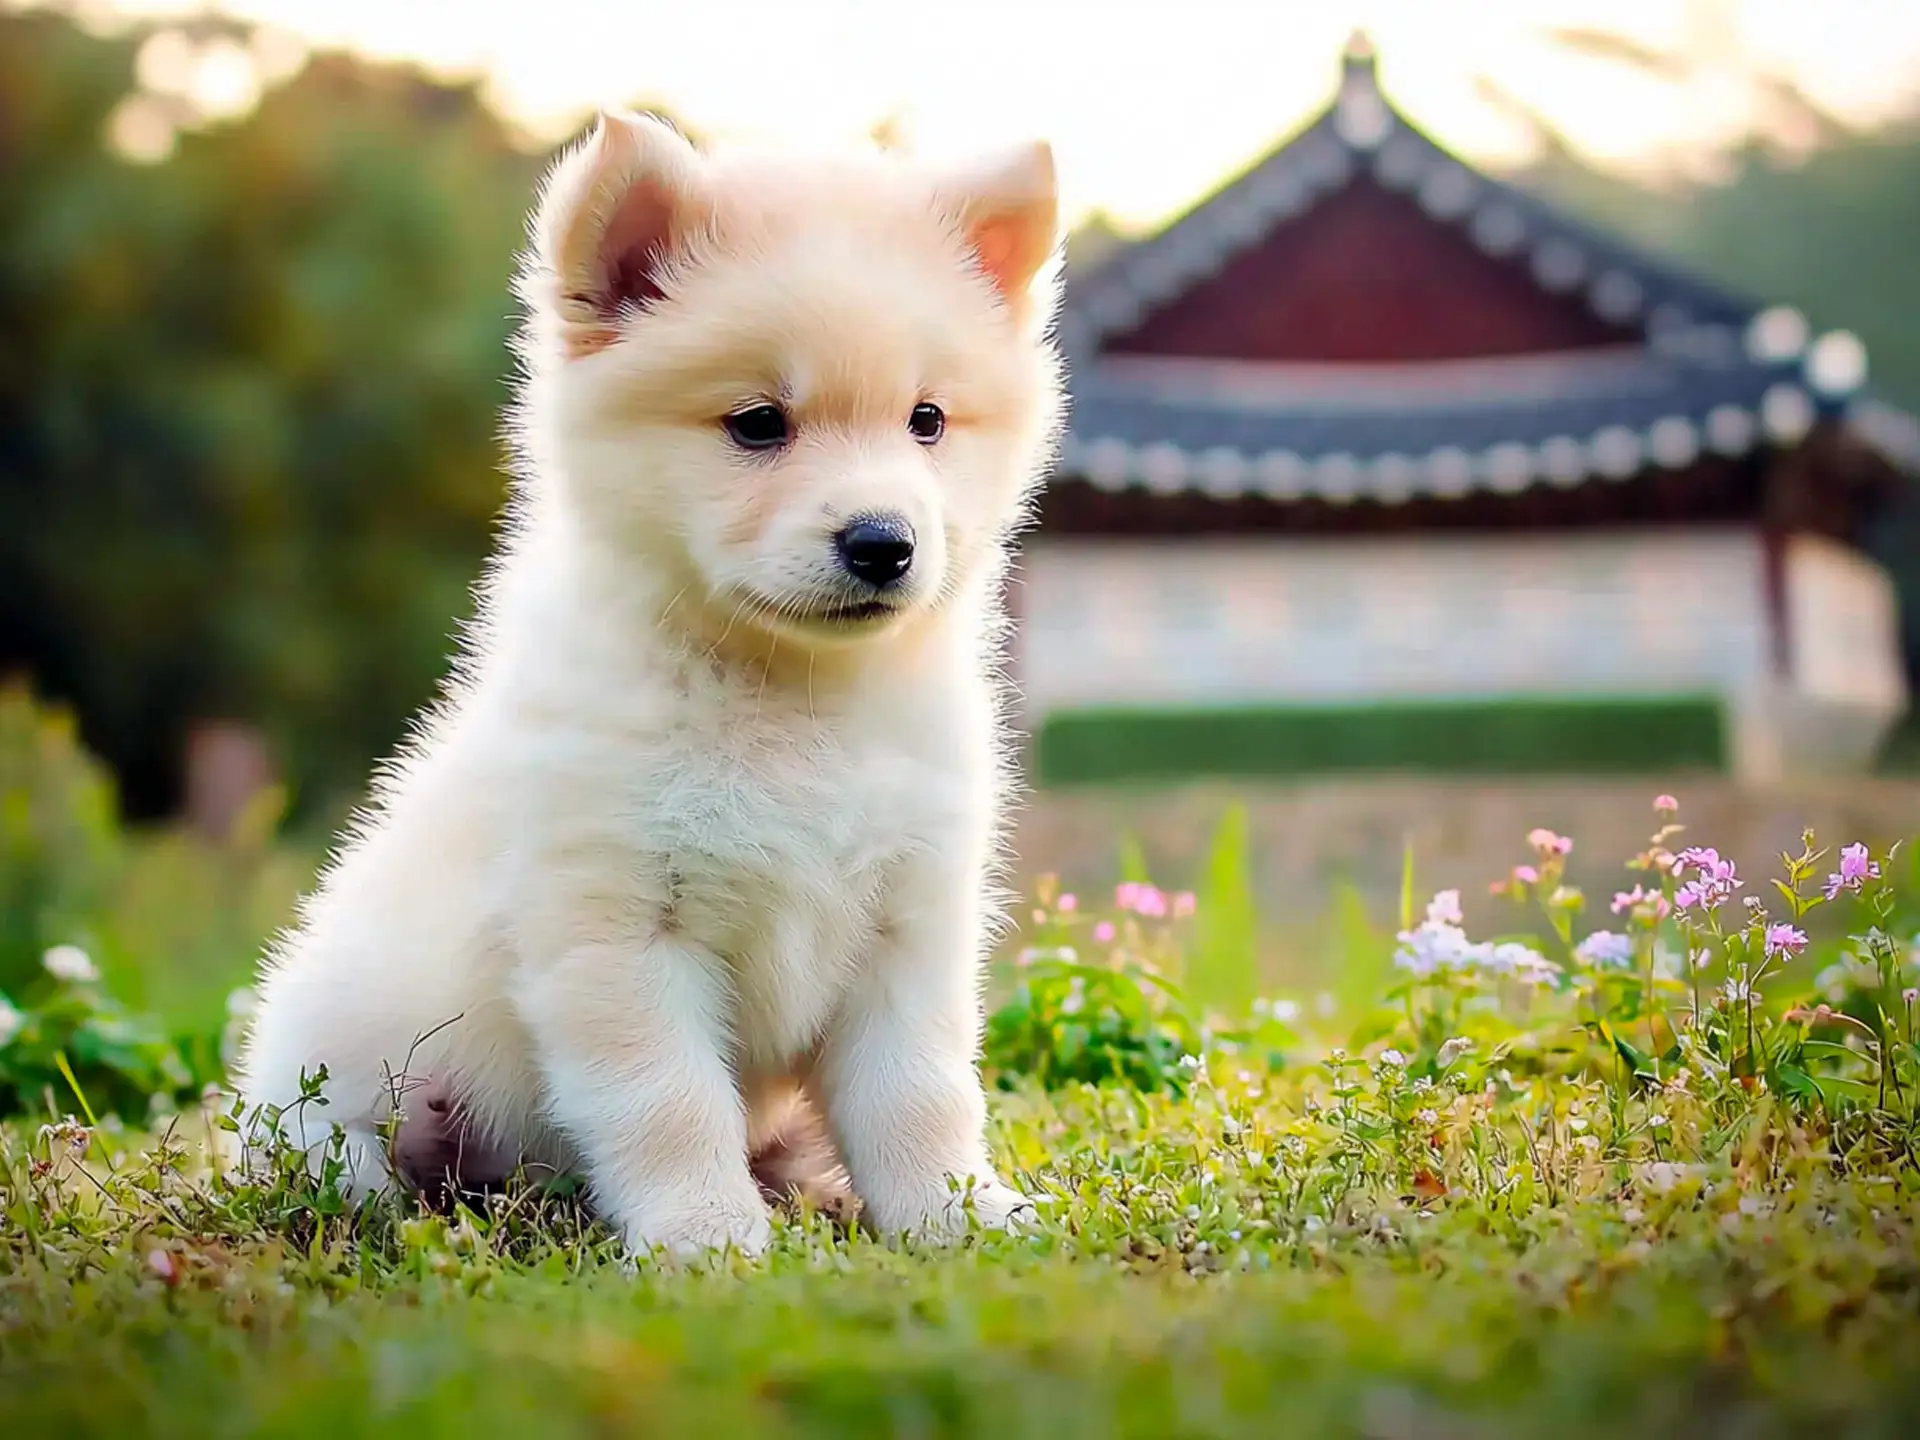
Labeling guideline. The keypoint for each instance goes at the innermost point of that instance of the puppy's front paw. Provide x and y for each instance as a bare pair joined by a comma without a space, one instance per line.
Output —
989,1204
997,1207
695,1231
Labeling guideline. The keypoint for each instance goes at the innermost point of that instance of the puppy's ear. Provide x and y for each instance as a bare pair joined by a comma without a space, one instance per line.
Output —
612,213
1008,208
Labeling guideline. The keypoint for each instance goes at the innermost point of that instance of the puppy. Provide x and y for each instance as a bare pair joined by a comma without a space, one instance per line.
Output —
698,847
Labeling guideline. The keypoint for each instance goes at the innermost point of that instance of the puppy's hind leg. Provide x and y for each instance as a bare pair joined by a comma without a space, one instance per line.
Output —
440,1153
794,1161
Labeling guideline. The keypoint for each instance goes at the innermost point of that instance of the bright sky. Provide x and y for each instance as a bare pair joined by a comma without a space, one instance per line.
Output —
1148,105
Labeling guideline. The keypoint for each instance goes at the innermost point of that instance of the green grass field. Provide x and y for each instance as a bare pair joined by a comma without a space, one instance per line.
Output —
1194,1275
1642,1164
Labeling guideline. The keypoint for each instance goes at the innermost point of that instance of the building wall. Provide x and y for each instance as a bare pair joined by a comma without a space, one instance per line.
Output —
1212,622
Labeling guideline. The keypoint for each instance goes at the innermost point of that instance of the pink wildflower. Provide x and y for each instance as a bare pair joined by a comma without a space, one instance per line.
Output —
1526,874
1665,804
1103,932
1785,940
1549,843
1645,903
1184,904
1856,868
1067,904
1714,880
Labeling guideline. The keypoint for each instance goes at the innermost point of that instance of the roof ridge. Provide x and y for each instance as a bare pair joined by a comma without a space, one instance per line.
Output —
1360,131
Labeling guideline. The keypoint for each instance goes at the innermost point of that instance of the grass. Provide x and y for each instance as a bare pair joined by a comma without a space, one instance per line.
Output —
1628,1167
1187,1279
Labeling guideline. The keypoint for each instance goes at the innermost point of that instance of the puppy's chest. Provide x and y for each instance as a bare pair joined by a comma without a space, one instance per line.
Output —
780,838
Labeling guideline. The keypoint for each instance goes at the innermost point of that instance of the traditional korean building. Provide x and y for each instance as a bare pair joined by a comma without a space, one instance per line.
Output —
1368,433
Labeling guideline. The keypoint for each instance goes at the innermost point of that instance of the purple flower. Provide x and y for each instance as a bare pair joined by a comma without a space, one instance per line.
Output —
1444,908
1856,868
1103,932
1783,939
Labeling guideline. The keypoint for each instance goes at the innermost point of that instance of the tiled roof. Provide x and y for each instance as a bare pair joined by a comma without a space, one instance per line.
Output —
1156,426
1716,373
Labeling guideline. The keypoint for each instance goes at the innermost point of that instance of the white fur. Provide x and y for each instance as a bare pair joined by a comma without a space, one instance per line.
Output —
670,852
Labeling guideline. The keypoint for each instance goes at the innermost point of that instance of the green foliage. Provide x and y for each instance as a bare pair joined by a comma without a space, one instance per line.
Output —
1064,1023
61,851
68,1043
250,401
152,931
1617,736
1222,966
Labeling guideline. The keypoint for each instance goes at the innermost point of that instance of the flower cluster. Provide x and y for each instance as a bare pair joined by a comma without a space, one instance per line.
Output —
1152,903
1647,906
1713,883
1856,868
1438,945
1606,950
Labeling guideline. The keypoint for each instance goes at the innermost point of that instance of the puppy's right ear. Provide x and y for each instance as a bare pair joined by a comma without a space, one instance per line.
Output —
612,213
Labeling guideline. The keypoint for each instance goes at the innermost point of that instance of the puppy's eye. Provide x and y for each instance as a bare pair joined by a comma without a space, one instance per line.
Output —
927,423
759,427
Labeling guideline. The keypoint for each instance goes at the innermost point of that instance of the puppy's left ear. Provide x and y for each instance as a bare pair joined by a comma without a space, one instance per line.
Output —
1008,209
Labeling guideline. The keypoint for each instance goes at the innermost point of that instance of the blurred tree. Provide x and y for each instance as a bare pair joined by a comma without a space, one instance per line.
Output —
249,454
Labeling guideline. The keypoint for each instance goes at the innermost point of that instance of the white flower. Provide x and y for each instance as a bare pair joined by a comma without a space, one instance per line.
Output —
1435,945
70,963
1524,963
11,1021
1452,1051
1393,1058
1606,948
1284,1011
1444,908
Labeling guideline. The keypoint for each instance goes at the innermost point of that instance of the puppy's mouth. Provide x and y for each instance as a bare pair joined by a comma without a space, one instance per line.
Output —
841,615
858,612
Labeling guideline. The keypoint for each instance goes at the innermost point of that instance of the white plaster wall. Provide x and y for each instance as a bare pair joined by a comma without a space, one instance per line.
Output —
1351,619
1354,619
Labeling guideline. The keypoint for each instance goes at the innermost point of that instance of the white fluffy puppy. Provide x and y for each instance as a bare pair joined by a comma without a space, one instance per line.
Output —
702,834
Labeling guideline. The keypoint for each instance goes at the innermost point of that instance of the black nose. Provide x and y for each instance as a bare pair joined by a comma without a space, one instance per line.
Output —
876,549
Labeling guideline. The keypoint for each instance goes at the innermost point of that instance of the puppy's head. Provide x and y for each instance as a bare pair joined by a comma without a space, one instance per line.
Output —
813,394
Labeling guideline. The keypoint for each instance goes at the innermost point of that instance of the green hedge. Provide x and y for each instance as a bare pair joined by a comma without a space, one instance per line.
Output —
1500,737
